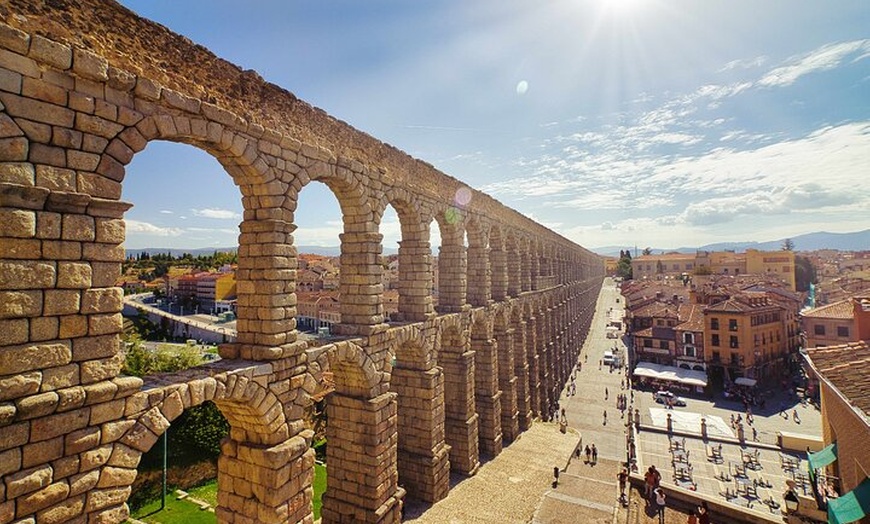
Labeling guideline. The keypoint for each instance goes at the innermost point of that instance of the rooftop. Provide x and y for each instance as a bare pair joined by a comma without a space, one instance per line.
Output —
841,309
847,368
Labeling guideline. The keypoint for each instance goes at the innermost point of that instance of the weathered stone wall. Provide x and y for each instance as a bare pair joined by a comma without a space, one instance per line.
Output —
84,87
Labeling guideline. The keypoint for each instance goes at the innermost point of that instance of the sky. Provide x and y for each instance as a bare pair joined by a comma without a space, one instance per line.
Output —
665,123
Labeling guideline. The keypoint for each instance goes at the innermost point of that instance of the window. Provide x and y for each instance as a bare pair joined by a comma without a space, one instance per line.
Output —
660,322
688,338
647,343
663,344
735,359
733,342
819,329
714,323
690,351
676,267
842,331
732,324
716,357
715,340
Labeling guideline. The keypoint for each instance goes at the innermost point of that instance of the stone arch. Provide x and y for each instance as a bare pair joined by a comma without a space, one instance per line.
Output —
415,255
521,364
498,257
257,425
460,418
503,333
452,260
423,456
362,454
361,275
479,270
487,396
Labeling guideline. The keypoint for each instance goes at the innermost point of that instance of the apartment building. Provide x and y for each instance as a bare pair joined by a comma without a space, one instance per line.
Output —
771,264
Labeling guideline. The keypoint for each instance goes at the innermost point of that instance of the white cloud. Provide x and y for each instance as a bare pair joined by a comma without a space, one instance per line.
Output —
222,214
144,228
826,57
166,212
744,64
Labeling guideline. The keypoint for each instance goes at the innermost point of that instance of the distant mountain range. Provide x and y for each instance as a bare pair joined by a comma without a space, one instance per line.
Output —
857,241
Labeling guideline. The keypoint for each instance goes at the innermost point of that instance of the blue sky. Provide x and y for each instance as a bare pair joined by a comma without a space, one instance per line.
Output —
661,123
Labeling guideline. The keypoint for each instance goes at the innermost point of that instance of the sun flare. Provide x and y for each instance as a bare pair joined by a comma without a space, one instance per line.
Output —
623,6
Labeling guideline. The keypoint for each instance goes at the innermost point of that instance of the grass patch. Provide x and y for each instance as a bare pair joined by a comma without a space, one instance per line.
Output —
175,512
184,512
206,492
319,488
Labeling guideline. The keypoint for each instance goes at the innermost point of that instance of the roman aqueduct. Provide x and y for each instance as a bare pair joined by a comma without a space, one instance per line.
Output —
84,87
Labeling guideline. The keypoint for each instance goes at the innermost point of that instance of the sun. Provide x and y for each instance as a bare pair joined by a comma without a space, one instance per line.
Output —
623,6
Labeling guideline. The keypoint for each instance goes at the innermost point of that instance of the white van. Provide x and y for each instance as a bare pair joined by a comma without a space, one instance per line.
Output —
608,358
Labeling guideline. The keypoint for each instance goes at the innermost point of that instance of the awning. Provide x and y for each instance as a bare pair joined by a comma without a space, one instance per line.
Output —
822,457
852,506
743,381
689,377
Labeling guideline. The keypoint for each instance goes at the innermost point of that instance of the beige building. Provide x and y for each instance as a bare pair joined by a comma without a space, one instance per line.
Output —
776,263
829,325
657,266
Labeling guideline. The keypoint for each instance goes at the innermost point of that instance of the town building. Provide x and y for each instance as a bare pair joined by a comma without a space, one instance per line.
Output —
840,471
771,264
748,335
829,325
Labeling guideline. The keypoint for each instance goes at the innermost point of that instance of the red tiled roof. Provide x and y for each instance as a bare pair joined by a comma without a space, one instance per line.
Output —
847,368
842,310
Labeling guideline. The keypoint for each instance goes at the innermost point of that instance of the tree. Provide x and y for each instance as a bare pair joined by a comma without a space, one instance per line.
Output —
647,251
623,267
788,245
804,273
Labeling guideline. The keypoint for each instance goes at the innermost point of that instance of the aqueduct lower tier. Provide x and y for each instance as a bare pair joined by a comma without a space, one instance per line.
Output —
83,89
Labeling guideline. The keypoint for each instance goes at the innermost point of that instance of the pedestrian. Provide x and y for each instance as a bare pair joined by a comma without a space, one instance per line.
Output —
703,513
605,393
794,415
660,504
588,453
657,477
594,454
605,417
649,483
622,477
754,434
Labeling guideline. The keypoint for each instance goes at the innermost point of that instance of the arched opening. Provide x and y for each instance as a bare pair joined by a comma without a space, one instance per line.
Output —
487,396
408,269
452,261
318,219
503,335
180,283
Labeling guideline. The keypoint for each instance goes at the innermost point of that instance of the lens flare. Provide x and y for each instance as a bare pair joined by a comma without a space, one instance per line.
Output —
462,197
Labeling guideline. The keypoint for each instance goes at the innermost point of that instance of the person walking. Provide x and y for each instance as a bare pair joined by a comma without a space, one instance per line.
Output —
588,453
703,513
661,501
605,418
622,477
594,454
606,393
649,483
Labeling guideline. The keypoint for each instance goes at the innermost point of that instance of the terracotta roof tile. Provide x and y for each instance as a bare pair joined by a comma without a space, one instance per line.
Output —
842,309
847,367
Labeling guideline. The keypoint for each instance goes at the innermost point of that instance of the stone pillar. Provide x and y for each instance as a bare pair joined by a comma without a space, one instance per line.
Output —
487,395
544,376
362,309
521,371
461,419
451,273
265,484
514,268
525,268
507,383
266,283
498,260
534,366
424,469
534,268
361,461
479,274
415,280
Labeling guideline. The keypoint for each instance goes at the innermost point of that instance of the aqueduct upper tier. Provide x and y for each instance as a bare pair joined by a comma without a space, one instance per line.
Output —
84,87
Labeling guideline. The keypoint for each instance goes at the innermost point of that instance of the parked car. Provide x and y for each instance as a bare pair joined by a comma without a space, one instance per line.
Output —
666,397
